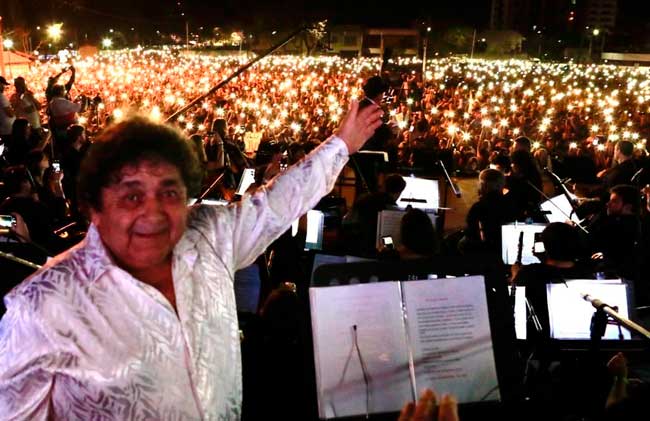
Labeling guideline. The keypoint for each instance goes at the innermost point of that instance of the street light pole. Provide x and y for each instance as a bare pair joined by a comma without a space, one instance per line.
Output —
595,33
187,36
471,54
424,53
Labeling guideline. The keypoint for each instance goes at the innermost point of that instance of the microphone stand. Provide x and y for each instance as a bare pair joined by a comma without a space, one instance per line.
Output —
448,178
209,189
440,226
563,188
18,260
224,82
578,224
239,71
638,241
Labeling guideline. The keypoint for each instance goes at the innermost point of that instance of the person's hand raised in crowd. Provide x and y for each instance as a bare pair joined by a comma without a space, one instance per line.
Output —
428,408
358,125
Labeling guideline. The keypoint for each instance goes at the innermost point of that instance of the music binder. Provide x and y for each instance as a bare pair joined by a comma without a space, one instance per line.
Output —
378,345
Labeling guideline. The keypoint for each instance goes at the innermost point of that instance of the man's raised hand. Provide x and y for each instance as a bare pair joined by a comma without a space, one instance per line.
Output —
358,125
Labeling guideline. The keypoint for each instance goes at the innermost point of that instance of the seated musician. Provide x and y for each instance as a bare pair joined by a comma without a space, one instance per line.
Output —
562,259
485,217
624,169
618,234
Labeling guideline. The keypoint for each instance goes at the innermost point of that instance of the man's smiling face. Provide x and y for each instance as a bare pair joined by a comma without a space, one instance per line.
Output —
143,215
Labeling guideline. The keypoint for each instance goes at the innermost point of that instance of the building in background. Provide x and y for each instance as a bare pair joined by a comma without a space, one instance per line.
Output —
601,14
346,40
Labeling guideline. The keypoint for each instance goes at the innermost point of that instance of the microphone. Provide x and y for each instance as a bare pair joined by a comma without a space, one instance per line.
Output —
548,171
454,189
598,304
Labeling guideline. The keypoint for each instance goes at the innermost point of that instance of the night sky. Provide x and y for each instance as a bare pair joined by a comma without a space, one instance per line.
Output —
93,18
148,14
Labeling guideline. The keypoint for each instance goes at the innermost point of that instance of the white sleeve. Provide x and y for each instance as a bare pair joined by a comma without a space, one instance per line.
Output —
264,215
63,106
26,361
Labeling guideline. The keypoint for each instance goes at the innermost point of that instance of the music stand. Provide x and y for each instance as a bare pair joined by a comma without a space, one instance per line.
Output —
501,321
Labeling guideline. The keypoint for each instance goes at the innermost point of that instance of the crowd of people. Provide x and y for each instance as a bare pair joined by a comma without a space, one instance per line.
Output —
523,128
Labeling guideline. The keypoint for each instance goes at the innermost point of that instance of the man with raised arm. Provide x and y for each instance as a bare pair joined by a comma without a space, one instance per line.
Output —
139,320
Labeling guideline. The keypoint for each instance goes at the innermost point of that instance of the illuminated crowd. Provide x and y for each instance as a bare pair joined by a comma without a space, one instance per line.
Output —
472,105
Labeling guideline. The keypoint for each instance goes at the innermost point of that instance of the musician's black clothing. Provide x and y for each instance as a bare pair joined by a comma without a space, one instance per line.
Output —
488,215
620,174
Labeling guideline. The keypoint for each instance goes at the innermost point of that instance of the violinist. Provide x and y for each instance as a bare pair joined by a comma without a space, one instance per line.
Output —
616,233
624,166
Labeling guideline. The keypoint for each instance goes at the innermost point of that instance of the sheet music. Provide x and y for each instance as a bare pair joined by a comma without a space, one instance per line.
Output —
388,224
521,315
510,241
248,178
570,315
314,235
247,288
449,326
420,188
376,310
383,155
559,209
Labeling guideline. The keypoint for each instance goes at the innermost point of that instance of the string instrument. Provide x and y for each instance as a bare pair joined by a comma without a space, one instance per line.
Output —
520,248
226,191
513,284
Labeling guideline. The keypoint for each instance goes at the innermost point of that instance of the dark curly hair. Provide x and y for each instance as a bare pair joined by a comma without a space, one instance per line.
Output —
129,142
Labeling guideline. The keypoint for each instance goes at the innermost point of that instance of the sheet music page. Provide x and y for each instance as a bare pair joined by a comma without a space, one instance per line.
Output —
570,315
388,224
449,328
510,242
376,311
422,189
521,314
560,209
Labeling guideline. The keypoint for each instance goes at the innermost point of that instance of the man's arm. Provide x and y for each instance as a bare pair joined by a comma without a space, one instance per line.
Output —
70,82
263,216
26,375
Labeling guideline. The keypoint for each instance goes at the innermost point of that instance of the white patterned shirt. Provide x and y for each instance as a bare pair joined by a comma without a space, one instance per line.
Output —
84,340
